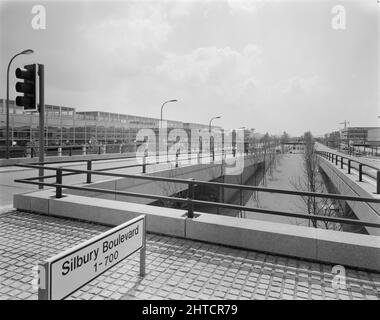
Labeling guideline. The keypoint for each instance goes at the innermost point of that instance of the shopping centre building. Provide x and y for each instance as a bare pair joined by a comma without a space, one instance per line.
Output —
64,126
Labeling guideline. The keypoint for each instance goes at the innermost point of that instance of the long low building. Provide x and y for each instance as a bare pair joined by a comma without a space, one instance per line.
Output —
369,136
66,126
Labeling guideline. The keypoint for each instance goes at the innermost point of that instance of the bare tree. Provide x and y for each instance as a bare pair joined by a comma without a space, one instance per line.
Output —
171,189
312,181
284,139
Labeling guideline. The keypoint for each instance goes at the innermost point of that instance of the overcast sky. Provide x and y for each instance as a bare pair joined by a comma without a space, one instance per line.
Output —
270,65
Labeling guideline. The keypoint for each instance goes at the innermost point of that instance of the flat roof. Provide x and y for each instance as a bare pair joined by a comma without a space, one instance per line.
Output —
362,128
123,115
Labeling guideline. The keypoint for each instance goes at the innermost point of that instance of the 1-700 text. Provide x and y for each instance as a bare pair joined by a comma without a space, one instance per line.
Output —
107,259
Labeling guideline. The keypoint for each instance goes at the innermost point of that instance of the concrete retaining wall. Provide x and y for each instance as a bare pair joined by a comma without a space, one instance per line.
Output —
348,184
334,247
202,172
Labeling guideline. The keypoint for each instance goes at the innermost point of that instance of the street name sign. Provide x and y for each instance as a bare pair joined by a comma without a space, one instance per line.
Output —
70,270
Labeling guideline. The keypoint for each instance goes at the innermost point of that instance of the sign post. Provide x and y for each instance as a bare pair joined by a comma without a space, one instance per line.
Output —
41,108
67,272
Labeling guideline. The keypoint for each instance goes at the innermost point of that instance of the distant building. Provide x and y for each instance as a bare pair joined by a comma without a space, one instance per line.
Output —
369,136
373,136
333,139
66,126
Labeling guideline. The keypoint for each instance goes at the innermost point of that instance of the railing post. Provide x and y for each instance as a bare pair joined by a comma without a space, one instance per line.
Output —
176,160
378,182
360,172
143,252
349,167
89,168
341,162
144,164
190,198
336,159
58,189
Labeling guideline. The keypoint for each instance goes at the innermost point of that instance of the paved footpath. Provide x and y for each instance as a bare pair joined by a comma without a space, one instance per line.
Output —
176,268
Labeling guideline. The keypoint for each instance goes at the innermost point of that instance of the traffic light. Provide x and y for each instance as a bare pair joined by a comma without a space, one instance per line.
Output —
28,87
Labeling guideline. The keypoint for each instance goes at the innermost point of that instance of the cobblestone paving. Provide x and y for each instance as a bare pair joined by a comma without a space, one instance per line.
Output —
176,268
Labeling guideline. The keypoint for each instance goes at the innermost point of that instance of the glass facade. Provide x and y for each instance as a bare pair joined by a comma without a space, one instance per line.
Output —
361,135
66,127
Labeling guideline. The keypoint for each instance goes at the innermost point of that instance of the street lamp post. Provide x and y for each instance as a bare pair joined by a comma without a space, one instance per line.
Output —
162,107
244,128
209,131
28,51
161,142
347,134
209,124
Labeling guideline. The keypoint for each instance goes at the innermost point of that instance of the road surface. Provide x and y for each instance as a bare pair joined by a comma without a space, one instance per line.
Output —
287,172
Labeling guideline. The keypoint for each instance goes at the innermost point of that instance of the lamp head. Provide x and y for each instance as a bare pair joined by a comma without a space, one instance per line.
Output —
27,51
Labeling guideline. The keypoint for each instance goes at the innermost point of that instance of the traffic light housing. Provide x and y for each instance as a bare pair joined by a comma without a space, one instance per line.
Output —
28,87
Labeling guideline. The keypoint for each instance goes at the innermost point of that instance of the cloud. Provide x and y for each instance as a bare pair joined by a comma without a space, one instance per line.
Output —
140,26
300,85
223,75
180,8
123,44
210,64
243,6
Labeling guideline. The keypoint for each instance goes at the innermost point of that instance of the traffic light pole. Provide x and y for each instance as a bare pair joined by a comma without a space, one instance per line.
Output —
41,159
7,116
7,111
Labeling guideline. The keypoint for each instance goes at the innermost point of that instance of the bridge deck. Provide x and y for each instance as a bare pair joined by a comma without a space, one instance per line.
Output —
176,268
374,162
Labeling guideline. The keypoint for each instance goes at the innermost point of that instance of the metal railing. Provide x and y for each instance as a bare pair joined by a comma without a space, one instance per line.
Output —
353,164
66,150
31,151
89,163
190,199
